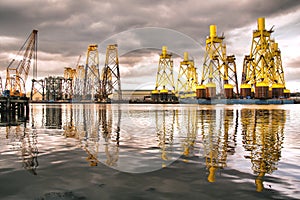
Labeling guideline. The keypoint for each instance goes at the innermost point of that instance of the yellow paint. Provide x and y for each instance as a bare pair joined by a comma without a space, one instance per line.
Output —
243,86
200,87
277,85
154,92
213,31
163,91
261,24
228,86
210,85
185,56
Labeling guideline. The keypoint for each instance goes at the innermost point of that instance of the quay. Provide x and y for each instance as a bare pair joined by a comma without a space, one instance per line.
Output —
13,110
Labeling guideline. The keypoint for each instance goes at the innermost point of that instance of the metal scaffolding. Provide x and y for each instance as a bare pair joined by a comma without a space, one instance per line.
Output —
91,87
37,90
187,78
110,77
164,86
69,75
78,83
263,75
54,88
219,70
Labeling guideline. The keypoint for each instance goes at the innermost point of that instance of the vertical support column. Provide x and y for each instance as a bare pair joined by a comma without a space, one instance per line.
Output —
164,78
92,77
110,78
219,72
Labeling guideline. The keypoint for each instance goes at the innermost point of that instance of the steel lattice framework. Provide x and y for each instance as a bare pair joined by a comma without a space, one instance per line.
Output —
78,82
91,87
219,71
187,78
37,87
164,77
18,69
262,69
110,77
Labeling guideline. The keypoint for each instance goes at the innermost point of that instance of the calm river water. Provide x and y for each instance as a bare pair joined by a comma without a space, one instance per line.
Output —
127,151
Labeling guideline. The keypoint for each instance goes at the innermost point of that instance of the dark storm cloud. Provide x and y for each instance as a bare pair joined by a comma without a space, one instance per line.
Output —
67,27
77,20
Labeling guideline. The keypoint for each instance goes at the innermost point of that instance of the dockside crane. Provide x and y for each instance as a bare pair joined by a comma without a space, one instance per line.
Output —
18,69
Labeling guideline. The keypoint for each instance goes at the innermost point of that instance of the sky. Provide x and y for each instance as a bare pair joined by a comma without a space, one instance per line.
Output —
140,28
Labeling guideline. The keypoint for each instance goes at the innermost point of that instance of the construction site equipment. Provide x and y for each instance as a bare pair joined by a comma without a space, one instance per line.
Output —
78,82
165,87
110,77
69,75
54,88
18,69
219,70
92,77
263,75
187,80
37,90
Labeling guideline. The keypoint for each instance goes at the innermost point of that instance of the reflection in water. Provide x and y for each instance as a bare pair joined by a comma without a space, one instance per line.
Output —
111,137
218,134
29,151
25,142
53,116
165,122
190,119
156,136
263,137
89,124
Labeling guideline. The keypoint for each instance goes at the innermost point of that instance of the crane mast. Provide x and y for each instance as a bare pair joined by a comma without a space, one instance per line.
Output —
18,69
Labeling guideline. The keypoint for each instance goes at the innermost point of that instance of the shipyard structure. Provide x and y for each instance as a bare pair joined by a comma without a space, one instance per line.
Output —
262,76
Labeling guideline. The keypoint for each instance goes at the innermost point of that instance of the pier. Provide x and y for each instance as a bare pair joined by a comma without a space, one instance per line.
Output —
13,110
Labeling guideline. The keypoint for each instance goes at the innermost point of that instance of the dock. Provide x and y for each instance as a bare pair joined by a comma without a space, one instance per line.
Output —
236,101
13,110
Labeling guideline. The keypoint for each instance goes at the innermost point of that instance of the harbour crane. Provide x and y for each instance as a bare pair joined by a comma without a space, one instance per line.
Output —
18,69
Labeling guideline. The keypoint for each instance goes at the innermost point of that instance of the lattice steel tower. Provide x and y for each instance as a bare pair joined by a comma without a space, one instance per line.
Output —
219,70
165,86
110,77
92,77
263,75
187,79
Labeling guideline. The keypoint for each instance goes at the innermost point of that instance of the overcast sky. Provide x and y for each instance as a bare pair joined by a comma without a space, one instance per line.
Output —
67,27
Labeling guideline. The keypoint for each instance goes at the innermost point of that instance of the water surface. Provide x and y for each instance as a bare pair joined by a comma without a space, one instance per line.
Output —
93,151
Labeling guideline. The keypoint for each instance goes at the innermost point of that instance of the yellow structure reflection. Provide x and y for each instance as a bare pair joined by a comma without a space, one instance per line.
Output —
218,130
262,131
165,122
91,124
110,136
190,121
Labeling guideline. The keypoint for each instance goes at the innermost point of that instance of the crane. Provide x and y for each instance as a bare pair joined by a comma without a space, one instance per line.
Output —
18,69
